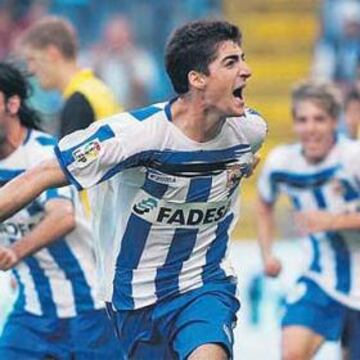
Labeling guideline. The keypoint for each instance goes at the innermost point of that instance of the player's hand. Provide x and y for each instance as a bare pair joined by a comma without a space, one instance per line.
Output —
8,258
310,222
272,266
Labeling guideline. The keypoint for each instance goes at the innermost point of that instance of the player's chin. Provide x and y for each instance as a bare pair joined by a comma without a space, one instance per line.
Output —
238,110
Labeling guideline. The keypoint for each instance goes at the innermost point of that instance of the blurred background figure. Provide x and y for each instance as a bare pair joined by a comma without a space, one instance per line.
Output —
51,53
128,69
337,52
320,176
15,17
352,112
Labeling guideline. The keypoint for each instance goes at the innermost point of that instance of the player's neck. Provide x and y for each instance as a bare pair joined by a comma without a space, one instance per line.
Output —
66,72
11,137
195,120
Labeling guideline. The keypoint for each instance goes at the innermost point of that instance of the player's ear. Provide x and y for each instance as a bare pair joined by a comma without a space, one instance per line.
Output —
13,105
196,80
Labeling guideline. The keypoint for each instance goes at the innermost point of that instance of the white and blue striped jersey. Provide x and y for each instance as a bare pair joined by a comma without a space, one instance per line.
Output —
332,258
58,280
164,218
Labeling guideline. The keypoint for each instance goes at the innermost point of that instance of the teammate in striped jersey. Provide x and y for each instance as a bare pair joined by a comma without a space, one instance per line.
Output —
166,218
321,176
56,313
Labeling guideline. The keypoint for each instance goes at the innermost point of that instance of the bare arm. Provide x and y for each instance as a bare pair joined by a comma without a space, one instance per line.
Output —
26,187
266,226
59,220
316,221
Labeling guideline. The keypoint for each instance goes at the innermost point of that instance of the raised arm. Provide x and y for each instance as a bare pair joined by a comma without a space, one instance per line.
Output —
266,226
23,189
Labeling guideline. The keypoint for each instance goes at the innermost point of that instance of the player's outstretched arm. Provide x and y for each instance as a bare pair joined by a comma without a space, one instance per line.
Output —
318,220
266,225
59,220
26,187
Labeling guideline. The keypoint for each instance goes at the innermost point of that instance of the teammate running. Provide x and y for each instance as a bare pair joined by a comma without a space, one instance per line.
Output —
321,176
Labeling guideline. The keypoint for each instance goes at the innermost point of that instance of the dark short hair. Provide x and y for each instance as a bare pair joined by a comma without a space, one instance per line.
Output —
53,30
14,82
324,94
193,47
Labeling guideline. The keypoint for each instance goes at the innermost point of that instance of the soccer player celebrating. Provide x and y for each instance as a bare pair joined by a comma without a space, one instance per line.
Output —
321,176
165,222
48,245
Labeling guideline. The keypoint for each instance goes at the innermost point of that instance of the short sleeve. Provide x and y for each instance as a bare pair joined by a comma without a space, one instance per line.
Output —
254,128
100,151
56,193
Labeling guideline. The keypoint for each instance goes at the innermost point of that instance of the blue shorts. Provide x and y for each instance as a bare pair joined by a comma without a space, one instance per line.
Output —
314,309
85,336
350,338
175,327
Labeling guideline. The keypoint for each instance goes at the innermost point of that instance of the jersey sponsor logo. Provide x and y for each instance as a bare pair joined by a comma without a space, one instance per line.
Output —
162,178
15,230
88,152
190,217
146,205
162,212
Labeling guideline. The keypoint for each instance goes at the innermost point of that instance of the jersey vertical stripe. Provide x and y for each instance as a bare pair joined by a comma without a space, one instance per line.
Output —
28,297
65,259
182,244
42,286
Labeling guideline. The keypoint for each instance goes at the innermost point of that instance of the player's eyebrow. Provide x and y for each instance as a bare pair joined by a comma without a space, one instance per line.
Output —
234,57
230,57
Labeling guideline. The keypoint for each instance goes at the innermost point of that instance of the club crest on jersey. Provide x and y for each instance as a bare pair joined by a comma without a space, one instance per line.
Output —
88,152
235,173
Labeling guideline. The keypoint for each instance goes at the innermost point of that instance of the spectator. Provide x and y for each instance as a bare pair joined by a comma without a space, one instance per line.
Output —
337,56
352,112
50,48
129,70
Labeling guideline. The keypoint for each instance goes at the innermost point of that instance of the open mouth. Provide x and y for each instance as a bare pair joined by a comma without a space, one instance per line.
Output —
238,93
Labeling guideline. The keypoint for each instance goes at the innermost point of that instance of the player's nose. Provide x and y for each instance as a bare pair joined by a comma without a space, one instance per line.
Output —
245,70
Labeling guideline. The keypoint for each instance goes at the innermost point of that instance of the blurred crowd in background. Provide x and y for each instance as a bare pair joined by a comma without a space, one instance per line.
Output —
337,56
122,41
